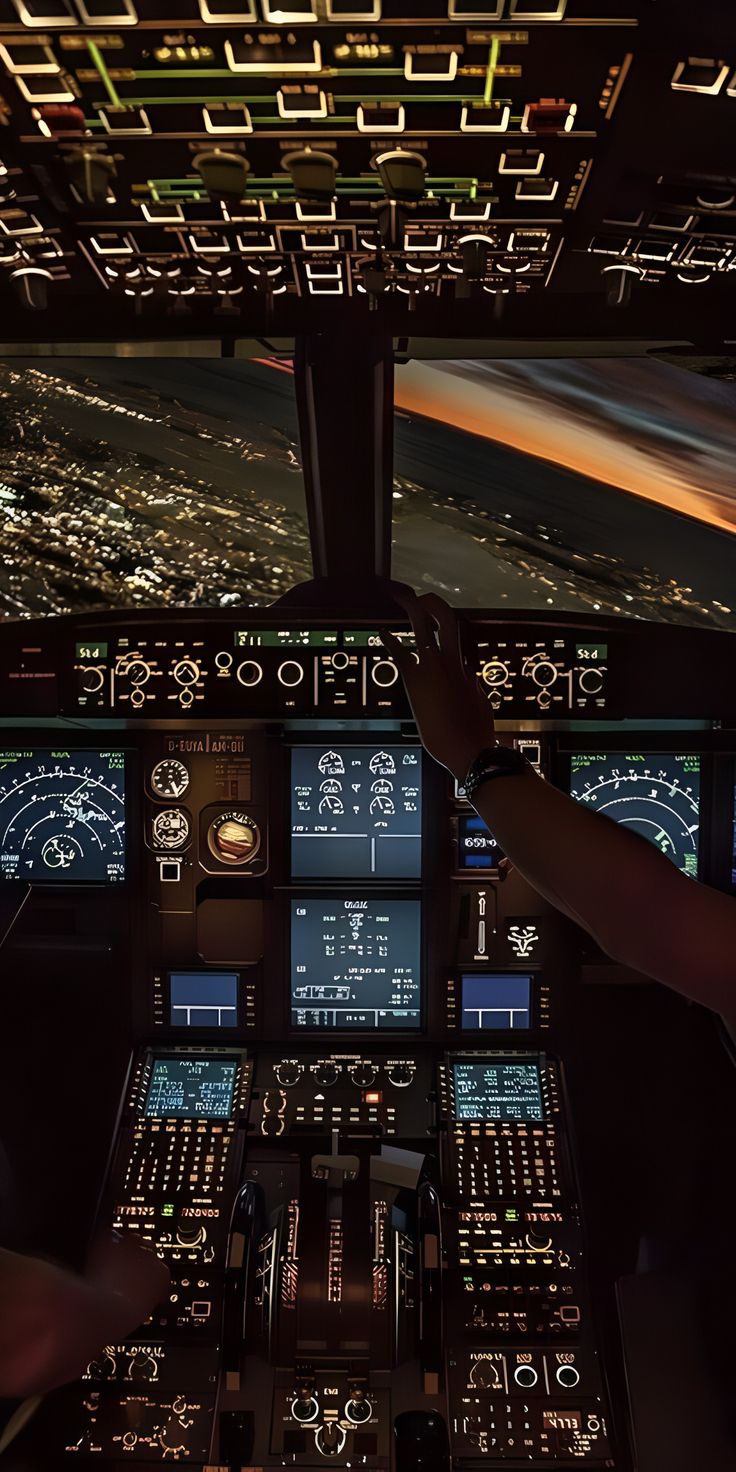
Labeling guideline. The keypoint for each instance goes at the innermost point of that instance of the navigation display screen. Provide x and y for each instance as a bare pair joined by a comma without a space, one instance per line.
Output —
495,1001
191,1088
355,963
476,846
486,1089
62,816
203,998
658,795
356,812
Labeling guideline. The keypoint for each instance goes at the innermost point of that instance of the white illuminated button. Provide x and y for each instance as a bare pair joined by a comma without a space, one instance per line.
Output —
223,660
568,1376
290,673
384,673
249,673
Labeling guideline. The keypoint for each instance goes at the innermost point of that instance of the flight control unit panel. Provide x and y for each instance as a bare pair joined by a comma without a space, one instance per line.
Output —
346,1125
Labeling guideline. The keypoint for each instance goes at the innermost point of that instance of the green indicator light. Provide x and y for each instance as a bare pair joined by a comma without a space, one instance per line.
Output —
167,1209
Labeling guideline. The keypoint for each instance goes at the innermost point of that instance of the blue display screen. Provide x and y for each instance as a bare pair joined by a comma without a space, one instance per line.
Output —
191,1088
476,846
494,1001
355,963
203,998
356,812
62,816
486,1089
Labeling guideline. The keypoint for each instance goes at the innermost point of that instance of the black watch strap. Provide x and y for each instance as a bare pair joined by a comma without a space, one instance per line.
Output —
492,762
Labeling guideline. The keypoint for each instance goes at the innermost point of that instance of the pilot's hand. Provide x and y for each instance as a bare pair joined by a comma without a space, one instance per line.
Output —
453,716
121,1266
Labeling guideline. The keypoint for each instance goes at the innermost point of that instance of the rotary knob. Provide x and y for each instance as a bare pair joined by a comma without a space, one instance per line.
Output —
568,1376
326,1074
304,1406
591,681
272,1124
290,674
544,673
363,1075
340,660
137,671
274,1101
384,673
537,1240
190,1234
103,1368
484,1374
400,1075
249,673
494,672
288,1073
142,1366
358,1409
186,672
92,680
330,1439
526,1376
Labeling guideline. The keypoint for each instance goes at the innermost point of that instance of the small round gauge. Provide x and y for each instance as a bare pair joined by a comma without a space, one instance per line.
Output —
170,828
233,838
169,778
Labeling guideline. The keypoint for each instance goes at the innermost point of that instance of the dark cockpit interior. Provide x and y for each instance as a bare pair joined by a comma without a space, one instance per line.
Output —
295,301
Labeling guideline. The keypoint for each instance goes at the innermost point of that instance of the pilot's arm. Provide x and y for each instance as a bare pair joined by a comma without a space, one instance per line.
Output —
53,1322
630,898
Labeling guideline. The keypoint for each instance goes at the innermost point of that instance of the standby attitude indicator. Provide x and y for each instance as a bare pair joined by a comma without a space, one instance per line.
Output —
658,795
62,816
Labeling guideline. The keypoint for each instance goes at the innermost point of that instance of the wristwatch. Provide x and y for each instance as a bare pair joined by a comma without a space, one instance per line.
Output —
493,761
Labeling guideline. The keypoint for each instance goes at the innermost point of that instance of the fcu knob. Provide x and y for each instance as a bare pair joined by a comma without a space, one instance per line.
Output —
304,1406
142,1366
363,1075
249,673
358,1409
330,1439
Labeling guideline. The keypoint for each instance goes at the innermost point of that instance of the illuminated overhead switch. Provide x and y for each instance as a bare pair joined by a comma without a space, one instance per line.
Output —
46,12
224,175
430,64
219,12
360,10
521,161
313,173
301,102
481,118
291,13
126,122
537,9
699,74
297,56
227,117
381,117
56,119
548,116
107,12
474,10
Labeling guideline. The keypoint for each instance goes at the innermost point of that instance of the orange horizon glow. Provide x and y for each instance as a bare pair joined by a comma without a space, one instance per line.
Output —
547,433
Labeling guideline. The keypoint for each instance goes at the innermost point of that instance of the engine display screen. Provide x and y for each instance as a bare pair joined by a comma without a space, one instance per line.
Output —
62,816
487,1089
355,963
658,795
476,846
191,1088
495,1001
203,998
356,812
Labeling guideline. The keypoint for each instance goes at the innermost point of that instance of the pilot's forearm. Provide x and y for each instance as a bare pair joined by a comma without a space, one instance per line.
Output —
600,874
